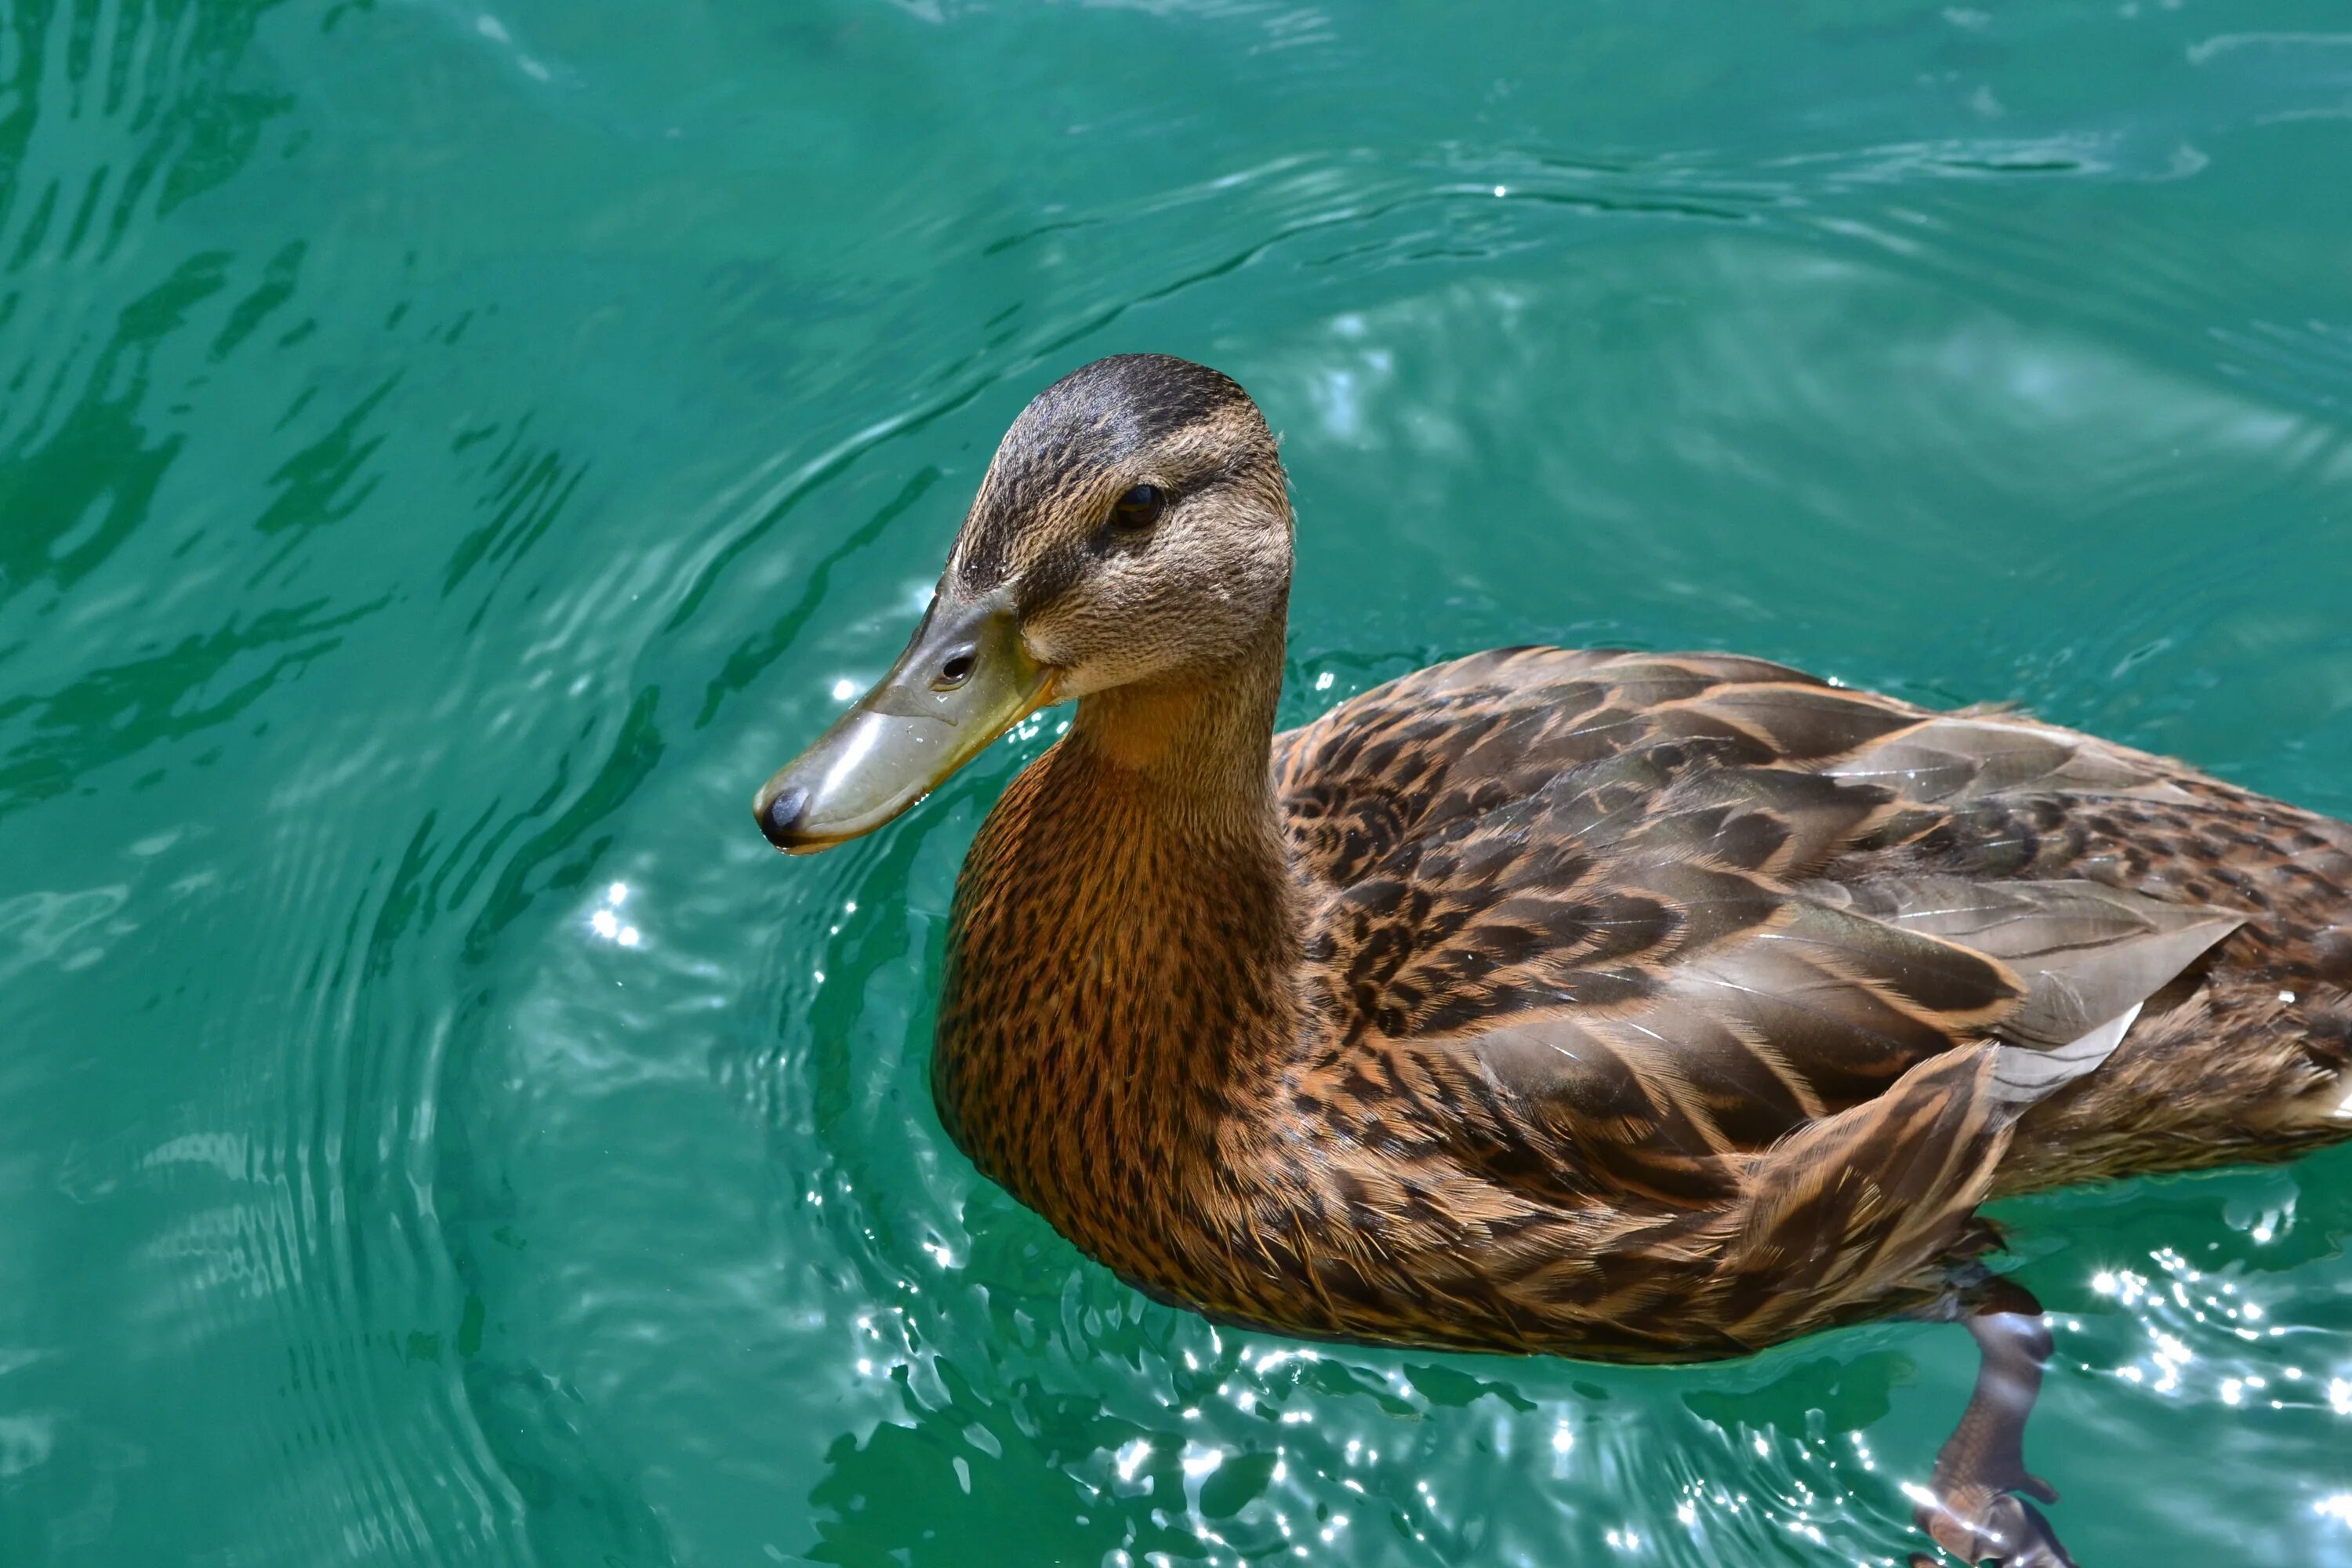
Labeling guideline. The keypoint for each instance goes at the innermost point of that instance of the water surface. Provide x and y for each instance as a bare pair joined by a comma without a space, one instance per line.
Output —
448,457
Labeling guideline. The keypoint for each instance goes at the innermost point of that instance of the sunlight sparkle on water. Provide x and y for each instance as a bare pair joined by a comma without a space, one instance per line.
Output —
606,921
1199,1461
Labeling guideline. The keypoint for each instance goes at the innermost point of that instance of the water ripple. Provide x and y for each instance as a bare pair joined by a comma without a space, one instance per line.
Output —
447,457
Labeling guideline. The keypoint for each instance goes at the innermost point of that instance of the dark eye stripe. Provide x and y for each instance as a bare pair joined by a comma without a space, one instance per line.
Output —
1049,577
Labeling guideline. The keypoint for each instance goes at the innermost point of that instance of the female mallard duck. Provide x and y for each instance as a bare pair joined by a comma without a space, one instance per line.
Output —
1631,1006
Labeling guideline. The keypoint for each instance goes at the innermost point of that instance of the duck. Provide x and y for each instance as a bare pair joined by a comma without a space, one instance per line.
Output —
1612,1004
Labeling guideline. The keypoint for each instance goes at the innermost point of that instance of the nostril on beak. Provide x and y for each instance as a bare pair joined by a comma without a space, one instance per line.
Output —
955,672
782,811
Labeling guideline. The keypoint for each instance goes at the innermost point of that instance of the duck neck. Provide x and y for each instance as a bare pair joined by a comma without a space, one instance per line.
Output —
1198,749
1123,953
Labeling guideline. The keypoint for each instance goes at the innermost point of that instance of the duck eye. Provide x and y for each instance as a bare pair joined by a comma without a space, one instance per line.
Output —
1139,509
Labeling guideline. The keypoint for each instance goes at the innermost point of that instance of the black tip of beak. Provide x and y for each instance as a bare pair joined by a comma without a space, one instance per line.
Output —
784,812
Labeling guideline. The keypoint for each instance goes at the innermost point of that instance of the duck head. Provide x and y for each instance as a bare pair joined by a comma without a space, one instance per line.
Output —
1132,531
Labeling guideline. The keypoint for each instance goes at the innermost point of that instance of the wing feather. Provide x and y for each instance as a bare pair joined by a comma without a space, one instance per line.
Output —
1750,976
1637,897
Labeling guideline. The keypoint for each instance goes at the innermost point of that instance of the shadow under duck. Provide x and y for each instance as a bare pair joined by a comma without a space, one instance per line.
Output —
1628,1006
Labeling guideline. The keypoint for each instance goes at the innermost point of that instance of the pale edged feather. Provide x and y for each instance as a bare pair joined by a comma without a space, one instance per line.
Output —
1971,755
2085,950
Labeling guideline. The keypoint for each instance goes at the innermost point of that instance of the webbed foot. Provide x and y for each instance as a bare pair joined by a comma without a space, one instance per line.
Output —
1976,1525
1975,1513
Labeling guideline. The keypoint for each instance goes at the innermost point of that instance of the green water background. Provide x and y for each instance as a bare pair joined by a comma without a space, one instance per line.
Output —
449,457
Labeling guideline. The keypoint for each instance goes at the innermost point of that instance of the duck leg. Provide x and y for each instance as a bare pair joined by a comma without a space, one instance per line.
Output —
1974,1513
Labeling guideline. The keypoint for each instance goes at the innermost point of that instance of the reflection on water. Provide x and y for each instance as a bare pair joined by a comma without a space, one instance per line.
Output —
448,458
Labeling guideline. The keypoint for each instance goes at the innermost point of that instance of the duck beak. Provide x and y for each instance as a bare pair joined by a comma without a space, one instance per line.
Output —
963,680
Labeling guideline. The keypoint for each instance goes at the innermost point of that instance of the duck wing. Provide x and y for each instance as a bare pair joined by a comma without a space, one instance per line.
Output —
1649,934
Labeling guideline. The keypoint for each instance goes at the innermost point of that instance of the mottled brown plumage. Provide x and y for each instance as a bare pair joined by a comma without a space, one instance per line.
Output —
1637,1006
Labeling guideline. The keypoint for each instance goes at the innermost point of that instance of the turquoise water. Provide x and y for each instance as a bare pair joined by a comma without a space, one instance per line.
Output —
448,457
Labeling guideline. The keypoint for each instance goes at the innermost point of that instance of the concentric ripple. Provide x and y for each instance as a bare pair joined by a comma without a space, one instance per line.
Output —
449,457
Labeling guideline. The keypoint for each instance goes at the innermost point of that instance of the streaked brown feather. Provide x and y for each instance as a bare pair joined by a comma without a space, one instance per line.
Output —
1639,1005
